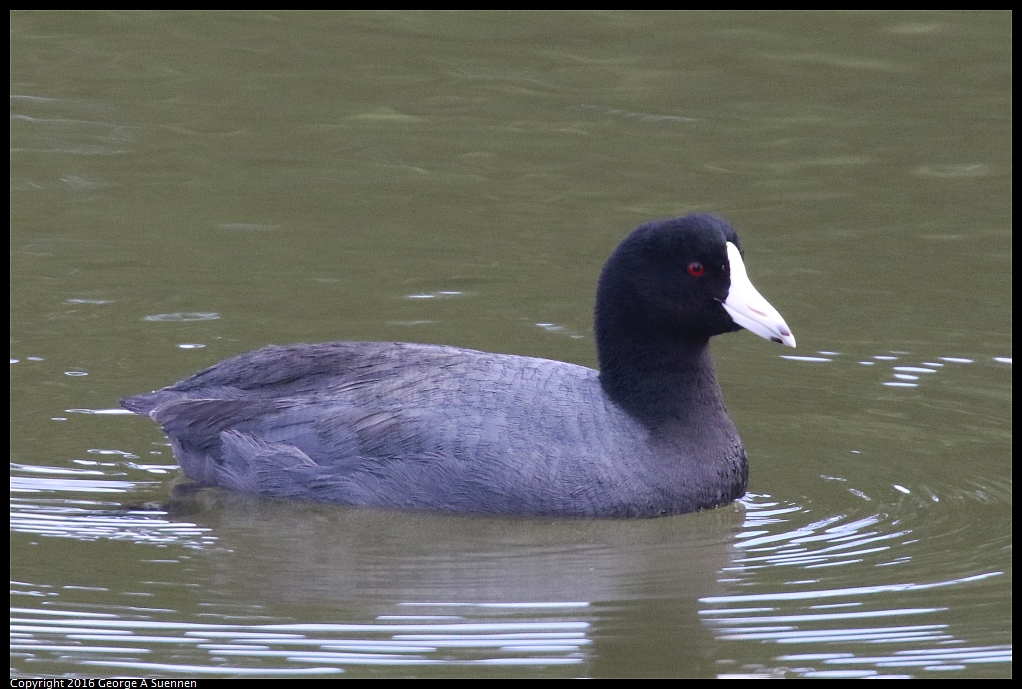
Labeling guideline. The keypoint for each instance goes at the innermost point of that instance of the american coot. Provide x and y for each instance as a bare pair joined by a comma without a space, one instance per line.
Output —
416,426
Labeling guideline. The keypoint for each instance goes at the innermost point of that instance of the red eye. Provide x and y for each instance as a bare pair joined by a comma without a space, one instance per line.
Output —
696,269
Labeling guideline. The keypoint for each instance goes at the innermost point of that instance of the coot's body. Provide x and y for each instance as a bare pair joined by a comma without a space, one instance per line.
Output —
429,427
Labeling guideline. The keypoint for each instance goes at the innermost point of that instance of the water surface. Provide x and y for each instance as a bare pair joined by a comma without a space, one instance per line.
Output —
185,187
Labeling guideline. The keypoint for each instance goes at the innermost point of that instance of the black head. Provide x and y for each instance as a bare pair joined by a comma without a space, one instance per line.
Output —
667,280
667,289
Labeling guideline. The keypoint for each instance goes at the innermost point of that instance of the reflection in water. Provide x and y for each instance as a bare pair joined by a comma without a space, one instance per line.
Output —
843,625
106,640
182,317
471,592
903,373
377,588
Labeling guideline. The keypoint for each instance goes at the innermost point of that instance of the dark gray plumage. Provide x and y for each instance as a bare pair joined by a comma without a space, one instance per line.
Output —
414,426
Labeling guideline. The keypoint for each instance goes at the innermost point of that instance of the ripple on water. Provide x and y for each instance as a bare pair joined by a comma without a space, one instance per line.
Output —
845,630
905,375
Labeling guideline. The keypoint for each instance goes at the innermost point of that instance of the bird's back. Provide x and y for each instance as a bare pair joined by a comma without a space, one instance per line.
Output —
411,426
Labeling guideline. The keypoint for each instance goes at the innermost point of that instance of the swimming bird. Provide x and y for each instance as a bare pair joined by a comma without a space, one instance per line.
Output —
430,427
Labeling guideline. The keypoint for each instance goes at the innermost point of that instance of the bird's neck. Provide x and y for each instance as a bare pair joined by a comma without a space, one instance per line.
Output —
661,382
